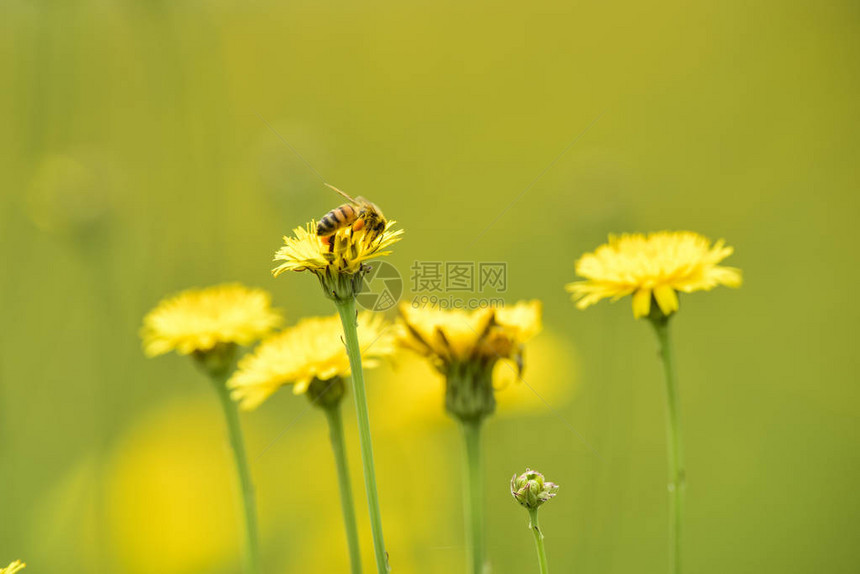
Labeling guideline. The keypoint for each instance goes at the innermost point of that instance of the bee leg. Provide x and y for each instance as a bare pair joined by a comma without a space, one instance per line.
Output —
359,223
327,241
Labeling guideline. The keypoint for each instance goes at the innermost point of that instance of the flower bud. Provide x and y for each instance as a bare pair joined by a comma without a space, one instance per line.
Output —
531,489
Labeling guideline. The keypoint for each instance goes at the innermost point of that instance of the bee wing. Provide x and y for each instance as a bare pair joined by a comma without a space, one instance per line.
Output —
369,205
351,200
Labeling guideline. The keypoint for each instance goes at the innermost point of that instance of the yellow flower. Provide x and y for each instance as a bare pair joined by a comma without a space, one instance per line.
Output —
15,566
311,350
156,497
473,350
337,261
451,336
552,374
658,265
444,336
197,320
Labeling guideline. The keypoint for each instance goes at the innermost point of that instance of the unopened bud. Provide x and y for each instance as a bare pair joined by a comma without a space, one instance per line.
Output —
531,489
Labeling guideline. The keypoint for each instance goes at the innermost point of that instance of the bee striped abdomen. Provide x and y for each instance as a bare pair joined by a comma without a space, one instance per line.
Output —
336,218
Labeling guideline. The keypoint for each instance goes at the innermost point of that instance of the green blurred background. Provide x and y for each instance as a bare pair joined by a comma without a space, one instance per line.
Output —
133,164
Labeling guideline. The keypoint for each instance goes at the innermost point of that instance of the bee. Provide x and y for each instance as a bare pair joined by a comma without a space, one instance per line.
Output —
359,213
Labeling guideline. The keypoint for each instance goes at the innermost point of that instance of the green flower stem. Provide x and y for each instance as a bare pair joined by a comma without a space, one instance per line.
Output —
346,309
231,415
474,494
677,473
335,427
541,551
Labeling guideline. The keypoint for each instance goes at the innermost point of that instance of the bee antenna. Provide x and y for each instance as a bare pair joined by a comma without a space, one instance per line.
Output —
339,191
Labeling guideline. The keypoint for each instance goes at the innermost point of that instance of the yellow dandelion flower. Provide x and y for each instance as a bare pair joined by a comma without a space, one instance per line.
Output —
209,324
198,320
15,566
471,349
658,265
467,348
443,335
338,260
311,350
552,373
451,336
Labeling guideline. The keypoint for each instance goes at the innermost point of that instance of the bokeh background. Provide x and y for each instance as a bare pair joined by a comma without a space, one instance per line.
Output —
135,161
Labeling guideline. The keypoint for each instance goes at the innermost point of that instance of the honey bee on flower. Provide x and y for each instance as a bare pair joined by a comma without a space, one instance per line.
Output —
359,213
337,248
337,251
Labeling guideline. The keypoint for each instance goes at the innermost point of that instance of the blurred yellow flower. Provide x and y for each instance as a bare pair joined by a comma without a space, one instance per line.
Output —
343,252
484,335
200,319
168,485
471,349
552,374
15,566
310,350
467,348
659,265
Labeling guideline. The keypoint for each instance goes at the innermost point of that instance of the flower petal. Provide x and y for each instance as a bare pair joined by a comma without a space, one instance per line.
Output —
663,263
666,298
642,303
